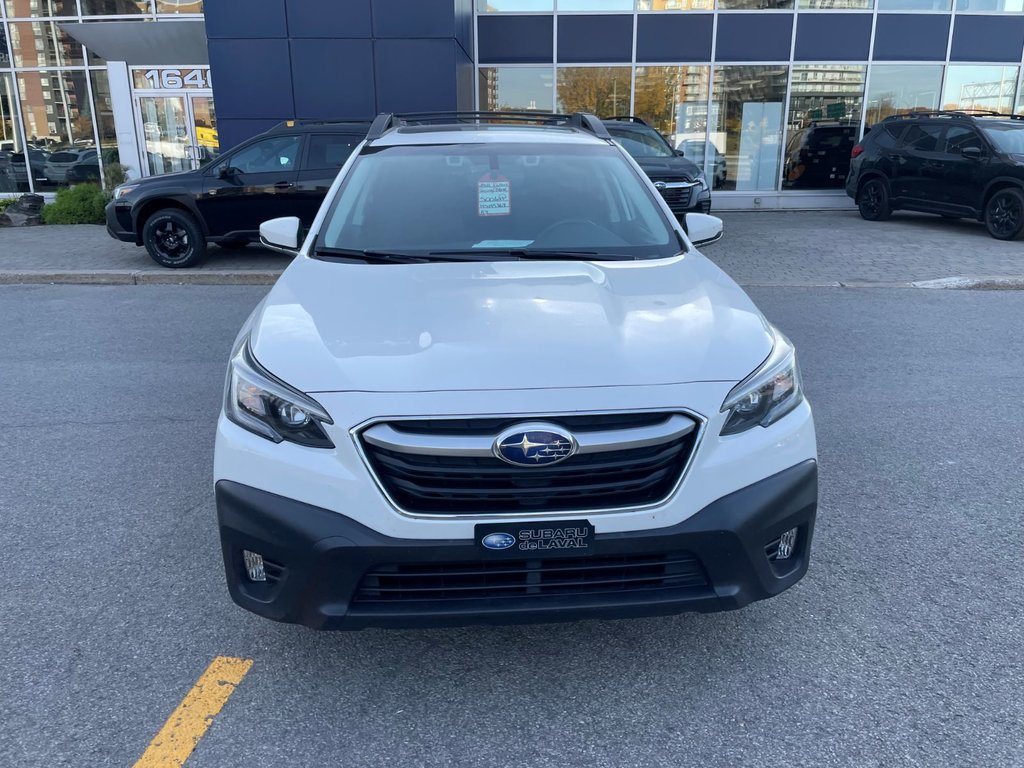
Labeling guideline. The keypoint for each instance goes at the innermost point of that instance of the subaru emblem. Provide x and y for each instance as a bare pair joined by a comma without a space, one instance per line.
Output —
498,540
534,445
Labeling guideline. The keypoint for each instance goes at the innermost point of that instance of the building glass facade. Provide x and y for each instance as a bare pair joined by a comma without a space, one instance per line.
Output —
769,96
55,102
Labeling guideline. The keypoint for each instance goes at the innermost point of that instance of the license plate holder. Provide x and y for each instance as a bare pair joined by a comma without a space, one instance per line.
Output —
554,538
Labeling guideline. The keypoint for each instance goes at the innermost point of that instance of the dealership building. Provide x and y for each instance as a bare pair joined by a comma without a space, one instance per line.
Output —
739,85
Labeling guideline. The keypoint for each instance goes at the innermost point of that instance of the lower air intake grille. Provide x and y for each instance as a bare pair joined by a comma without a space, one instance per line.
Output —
678,198
417,583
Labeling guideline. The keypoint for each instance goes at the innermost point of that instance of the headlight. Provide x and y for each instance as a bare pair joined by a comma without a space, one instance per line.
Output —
260,403
702,179
123,190
768,394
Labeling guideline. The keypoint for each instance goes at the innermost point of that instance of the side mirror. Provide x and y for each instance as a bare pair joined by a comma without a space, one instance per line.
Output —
703,229
971,153
226,172
282,235
680,153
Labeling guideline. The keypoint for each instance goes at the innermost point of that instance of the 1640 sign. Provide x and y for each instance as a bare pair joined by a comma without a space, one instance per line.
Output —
172,79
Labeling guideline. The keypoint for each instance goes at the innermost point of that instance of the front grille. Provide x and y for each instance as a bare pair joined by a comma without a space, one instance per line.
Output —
678,198
412,584
445,484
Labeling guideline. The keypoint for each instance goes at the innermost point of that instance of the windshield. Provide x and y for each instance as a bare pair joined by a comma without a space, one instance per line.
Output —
481,199
1008,137
641,143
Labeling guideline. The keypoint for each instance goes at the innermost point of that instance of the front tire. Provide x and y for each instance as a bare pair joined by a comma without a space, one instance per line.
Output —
1004,214
873,201
174,239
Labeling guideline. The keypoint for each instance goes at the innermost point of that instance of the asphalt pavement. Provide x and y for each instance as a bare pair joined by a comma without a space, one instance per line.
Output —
902,647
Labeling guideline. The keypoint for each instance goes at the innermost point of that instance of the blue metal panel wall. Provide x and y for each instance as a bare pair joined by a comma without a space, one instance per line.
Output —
275,60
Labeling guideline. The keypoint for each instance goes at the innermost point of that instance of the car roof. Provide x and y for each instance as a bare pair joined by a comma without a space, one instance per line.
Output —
319,126
486,127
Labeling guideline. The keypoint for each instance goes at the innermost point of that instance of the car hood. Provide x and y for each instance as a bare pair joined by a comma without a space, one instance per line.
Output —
506,325
668,168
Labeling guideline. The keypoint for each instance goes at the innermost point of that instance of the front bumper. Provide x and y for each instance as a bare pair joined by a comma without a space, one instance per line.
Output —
318,560
119,221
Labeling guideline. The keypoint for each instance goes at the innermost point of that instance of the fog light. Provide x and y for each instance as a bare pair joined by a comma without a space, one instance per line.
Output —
254,565
787,544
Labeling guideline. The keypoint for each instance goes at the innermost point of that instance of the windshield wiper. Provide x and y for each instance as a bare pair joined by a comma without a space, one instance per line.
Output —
539,254
370,256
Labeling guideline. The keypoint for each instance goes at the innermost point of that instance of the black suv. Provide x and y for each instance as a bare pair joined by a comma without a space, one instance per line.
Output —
956,164
283,172
679,180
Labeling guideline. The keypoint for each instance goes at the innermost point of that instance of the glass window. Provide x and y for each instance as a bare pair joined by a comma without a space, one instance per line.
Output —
472,198
985,87
913,5
275,154
107,155
922,138
329,152
675,5
179,6
595,5
833,4
515,6
754,5
58,117
674,100
516,88
13,170
116,7
746,124
1007,136
959,138
825,104
640,141
896,88
32,9
601,90
43,44
5,57
991,6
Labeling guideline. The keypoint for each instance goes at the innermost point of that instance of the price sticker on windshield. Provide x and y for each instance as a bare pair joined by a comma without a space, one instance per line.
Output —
493,195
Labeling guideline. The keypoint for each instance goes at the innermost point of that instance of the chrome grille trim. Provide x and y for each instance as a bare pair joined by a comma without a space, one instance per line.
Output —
357,432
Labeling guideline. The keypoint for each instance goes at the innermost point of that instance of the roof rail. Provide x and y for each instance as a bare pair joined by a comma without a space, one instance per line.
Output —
583,121
303,123
965,113
627,119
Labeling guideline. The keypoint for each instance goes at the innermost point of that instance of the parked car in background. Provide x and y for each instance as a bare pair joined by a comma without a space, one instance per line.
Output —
7,182
283,172
57,164
957,164
696,150
36,165
498,383
676,177
87,169
818,155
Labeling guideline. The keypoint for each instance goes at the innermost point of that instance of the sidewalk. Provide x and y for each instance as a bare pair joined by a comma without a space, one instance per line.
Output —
772,248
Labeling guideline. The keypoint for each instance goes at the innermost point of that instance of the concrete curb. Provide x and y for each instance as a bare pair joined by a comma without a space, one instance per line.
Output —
139,277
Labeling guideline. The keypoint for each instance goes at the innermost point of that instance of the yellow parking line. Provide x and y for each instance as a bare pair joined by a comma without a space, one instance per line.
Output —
188,723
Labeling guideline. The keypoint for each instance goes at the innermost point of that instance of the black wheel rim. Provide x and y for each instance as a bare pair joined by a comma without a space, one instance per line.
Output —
1004,215
871,198
172,241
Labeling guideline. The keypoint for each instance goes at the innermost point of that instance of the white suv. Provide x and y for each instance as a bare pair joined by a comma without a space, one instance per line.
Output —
497,384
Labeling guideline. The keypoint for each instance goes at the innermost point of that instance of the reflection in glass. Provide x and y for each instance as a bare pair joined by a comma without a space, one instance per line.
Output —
165,132
754,5
913,5
991,6
746,124
825,104
32,9
5,57
973,87
899,88
601,90
43,44
675,5
58,123
516,88
595,5
499,6
179,6
89,168
833,4
204,123
13,170
675,101
116,7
